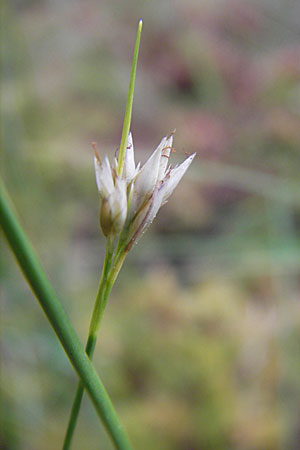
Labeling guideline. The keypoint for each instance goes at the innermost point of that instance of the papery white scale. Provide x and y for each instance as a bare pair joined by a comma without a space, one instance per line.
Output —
135,197
113,195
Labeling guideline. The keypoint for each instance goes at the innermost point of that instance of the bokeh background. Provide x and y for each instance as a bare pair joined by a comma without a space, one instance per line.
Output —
200,343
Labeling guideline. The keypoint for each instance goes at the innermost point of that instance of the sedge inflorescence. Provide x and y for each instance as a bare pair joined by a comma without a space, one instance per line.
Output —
131,197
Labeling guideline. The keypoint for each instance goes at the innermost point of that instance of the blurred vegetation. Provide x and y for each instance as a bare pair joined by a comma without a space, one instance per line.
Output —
200,346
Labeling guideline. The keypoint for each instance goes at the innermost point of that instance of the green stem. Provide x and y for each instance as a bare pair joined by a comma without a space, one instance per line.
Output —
91,342
128,110
102,295
105,286
106,282
60,322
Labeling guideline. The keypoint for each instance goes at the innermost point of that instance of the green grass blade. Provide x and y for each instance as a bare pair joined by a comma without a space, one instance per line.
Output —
60,322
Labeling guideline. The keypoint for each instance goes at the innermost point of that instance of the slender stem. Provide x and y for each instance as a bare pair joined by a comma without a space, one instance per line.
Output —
106,283
128,110
90,346
60,322
91,342
101,294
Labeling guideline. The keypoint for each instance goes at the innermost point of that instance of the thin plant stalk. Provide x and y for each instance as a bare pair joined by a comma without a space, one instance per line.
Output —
111,265
105,286
99,306
60,322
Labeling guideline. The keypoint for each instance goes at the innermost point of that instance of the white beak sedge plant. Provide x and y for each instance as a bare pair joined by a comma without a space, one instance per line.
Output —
130,197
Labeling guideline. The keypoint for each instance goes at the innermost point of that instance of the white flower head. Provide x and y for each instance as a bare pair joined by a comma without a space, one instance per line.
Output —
131,201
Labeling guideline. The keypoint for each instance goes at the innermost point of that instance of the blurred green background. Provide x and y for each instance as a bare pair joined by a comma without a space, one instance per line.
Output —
200,343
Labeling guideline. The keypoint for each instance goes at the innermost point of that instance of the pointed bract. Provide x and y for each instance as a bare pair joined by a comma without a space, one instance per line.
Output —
146,180
97,166
114,209
165,155
120,204
161,195
129,164
104,179
173,177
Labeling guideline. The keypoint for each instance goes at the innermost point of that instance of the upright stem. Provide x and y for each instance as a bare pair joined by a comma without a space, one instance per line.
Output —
60,322
109,274
91,342
101,294
110,268
128,110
